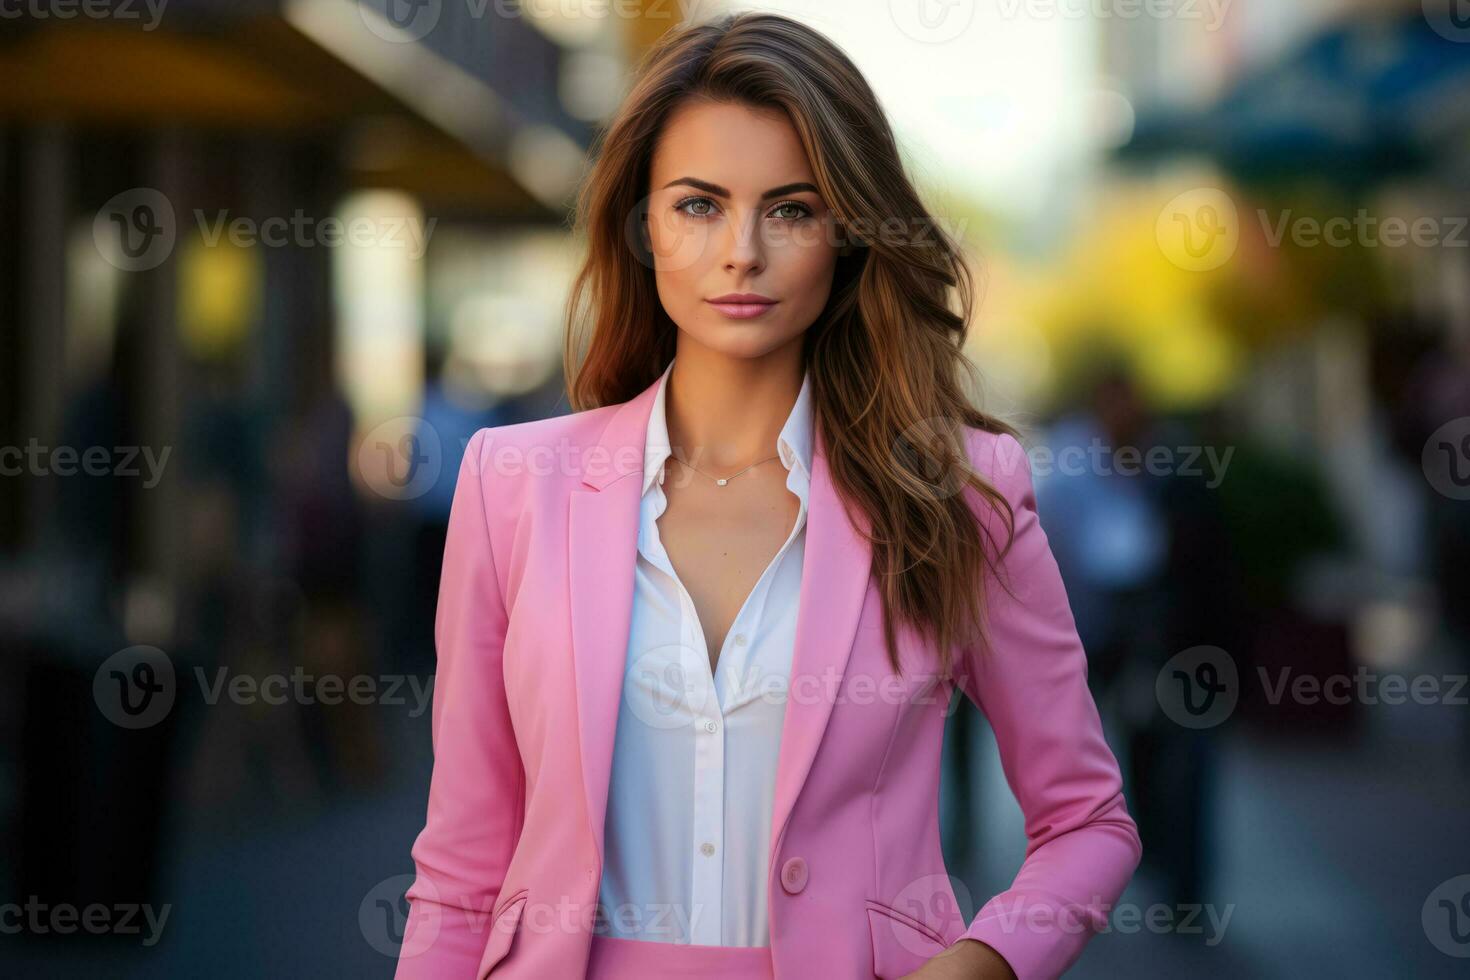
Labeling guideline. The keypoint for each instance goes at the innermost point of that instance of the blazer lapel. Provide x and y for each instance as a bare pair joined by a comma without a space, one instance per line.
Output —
603,552
834,582
602,531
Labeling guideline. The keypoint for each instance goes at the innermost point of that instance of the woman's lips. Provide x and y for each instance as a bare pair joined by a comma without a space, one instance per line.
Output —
741,310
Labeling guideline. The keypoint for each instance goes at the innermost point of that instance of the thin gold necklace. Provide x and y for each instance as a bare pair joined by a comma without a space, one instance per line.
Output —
721,481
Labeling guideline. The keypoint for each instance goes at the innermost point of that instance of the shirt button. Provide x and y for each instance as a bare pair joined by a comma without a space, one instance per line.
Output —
710,726
740,639
794,875
706,848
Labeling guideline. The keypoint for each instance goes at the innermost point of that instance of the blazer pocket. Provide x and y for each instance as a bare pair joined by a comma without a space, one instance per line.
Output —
503,929
901,943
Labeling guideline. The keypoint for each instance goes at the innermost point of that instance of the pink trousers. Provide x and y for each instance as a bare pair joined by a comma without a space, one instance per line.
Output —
614,958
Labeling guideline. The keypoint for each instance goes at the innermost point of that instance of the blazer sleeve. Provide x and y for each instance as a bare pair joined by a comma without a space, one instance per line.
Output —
1031,683
476,789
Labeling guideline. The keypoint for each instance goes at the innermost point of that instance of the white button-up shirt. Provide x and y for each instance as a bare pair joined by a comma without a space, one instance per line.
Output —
688,828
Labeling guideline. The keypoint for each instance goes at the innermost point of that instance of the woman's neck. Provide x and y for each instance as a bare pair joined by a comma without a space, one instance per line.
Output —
725,411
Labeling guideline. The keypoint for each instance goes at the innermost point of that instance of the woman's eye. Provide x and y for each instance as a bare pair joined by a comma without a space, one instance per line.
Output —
700,207
703,207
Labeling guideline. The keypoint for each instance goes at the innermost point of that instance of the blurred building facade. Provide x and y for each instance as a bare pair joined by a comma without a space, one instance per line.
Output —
269,263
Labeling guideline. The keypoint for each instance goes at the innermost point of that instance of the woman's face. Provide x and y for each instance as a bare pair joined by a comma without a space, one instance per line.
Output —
733,209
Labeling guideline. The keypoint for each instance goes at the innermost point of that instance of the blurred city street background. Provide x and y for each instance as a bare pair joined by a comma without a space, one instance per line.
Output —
268,264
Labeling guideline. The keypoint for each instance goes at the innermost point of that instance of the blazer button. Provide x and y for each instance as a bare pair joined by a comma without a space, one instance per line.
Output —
793,875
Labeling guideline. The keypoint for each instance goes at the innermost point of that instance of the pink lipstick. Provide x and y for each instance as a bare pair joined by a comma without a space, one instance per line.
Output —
742,306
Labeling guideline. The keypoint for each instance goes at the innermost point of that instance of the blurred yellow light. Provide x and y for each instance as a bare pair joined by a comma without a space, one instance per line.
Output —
1115,289
219,296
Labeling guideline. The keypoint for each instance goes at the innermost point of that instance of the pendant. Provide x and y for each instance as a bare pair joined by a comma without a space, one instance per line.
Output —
722,482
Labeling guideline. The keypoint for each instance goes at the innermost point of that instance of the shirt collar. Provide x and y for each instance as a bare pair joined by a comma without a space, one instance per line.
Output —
793,445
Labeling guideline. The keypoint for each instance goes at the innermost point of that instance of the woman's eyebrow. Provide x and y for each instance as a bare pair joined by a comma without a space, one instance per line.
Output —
719,191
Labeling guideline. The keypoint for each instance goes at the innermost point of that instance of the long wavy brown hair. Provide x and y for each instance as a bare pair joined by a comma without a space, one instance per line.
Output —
885,356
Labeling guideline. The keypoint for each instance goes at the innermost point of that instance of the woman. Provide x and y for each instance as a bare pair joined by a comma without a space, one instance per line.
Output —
697,639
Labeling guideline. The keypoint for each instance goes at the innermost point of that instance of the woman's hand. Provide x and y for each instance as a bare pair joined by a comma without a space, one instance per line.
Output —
968,959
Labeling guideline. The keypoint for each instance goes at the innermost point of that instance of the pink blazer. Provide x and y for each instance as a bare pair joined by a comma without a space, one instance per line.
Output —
532,629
